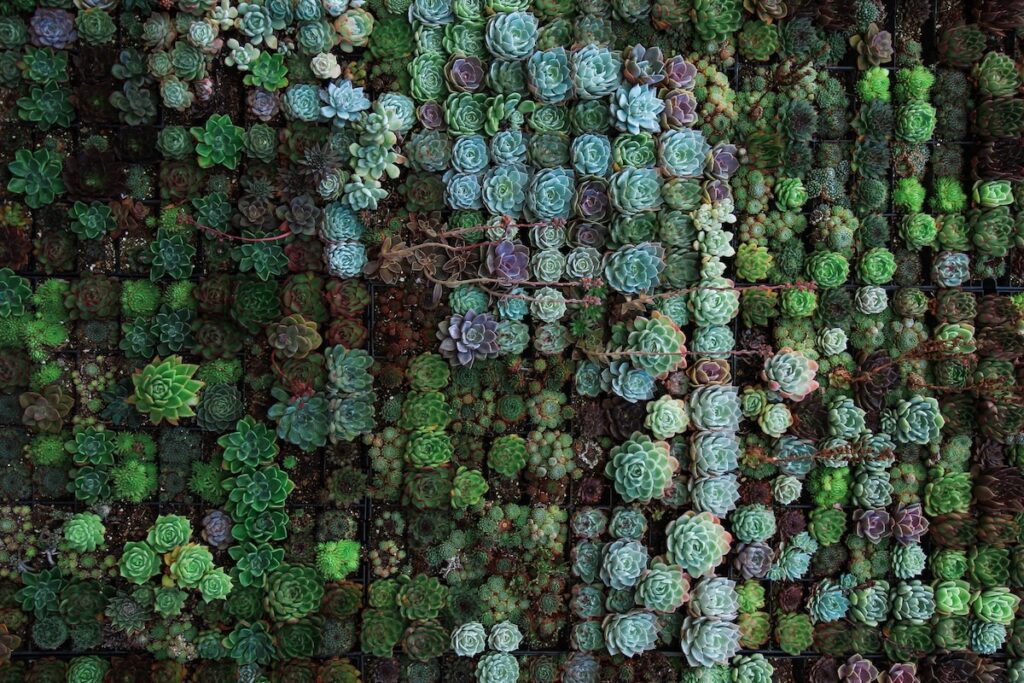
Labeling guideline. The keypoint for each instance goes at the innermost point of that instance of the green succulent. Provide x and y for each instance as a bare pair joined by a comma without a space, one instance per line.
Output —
663,588
189,563
255,492
421,597
165,390
293,591
169,532
249,447
666,417
138,562
468,488
219,142
254,561
507,455
84,532
912,601
92,446
37,175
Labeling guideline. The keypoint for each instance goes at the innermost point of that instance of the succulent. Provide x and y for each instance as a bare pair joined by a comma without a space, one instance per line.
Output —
697,542
636,108
622,563
636,268
641,468
469,337
630,633
218,142
342,103
707,641
165,390
595,71
663,588
511,35
37,175
790,373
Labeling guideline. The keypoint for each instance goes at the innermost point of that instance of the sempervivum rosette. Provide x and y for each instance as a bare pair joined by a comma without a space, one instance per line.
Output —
697,542
707,641
641,468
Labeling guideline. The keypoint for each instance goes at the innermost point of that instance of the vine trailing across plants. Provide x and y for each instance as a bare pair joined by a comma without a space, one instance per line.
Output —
511,341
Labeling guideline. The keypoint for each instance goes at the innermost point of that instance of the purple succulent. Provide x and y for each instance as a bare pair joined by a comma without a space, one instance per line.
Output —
753,560
679,73
465,338
431,115
680,109
724,161
901,673
263,104
858,670
586,234
873,525
52,28
592,200
465,74
717,190
204,89
217,529
909,524
508,261
643,65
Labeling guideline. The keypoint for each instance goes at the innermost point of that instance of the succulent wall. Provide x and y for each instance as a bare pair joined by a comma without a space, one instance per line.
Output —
511,341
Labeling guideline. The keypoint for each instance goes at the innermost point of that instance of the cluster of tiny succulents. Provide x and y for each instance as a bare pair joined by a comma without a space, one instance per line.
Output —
508,341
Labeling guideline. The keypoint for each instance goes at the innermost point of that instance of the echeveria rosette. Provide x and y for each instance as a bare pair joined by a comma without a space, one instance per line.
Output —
918,420
596,71
683,153
635,268
511,35
630,633
663,588
636,108
790,373
591,154
165,390
469,639
714,453
547,75
667,417
996,605
550,193
504,189
716,407
622,563
697,542
138,562
656,344
469,337
707,641
636,190
641,468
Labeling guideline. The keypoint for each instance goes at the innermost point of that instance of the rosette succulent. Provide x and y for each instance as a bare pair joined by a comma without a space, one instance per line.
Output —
697,542
790,373
467,338
636,108
641,468
630,633
707,641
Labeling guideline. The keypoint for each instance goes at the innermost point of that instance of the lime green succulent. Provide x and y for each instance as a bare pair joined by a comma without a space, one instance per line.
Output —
165,390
